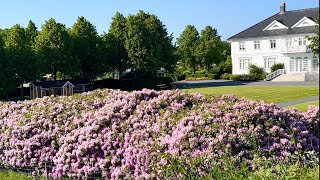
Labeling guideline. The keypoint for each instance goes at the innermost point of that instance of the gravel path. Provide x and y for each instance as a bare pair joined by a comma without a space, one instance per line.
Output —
298,101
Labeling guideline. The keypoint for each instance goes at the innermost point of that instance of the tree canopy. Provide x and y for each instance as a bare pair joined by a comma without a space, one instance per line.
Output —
187,44
147,42
53,44
85,50
116,55
20,56
201,51
314,45
139,42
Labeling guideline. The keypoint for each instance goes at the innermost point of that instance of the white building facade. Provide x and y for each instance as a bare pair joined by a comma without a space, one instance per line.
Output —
282,38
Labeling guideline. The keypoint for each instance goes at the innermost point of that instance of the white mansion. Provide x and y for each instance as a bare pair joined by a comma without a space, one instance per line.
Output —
280,38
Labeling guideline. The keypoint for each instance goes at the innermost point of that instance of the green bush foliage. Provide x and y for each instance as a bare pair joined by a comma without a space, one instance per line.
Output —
226,76
256,73
223,67
277,66
230,170
193,77
201,72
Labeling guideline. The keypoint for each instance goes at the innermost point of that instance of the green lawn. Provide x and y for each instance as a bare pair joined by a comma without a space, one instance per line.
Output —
12,175
304,106
271,94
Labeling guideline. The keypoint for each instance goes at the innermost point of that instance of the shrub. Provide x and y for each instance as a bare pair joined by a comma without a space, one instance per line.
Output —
256,72
223,67
253,69
201,77
201,72
139,134
186,72
277,66
242,77
226,76
197,78
212,76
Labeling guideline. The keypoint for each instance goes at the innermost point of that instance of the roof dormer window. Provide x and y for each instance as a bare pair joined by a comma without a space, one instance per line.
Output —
275,25
305,21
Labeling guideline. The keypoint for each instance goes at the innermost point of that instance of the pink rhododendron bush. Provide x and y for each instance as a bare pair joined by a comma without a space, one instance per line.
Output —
117,134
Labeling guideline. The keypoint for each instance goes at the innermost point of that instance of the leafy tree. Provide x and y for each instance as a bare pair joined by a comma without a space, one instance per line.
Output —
116,53
86,47
53,44
147,43
31,33
187,44
20,56
3,68
225,49
209,48
314,45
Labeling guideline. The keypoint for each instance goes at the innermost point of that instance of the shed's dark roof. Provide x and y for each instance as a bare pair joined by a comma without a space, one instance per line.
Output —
289,19
51,84
83,81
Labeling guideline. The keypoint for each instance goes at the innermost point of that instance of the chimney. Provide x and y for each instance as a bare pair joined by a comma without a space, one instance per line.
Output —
283,8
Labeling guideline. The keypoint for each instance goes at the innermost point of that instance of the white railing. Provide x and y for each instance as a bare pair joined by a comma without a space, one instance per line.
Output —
295,49
275,74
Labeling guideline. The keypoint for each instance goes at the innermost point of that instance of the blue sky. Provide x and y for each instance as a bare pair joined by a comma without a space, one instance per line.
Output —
227,16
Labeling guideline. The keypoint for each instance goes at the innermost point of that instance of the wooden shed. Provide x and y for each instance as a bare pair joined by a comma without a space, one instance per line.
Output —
81,85
48,88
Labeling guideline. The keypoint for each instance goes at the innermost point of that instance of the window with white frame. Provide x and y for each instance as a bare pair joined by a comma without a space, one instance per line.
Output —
305,64
244,63
298,64
256,45
269,62
315,64
289,42
302,41
292,64
273,44
242,46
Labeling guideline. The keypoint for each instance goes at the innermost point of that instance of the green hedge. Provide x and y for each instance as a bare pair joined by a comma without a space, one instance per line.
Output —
226,76
277,66
242,77
211,76
193,77
201,72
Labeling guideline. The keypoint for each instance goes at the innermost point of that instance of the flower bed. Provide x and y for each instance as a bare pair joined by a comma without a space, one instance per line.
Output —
117,134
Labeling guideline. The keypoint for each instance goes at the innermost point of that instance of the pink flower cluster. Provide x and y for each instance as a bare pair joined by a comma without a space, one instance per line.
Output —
117,134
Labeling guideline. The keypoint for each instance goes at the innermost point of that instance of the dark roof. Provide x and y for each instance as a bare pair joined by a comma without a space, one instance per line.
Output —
83,81
51,84
289,19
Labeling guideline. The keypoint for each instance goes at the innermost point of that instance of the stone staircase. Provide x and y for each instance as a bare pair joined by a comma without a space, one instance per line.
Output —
291,77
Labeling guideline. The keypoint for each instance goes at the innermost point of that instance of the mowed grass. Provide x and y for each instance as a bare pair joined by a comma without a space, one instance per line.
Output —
12,175
304,106
270,94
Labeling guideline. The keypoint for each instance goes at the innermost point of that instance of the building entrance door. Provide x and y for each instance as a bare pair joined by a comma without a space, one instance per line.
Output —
299,64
